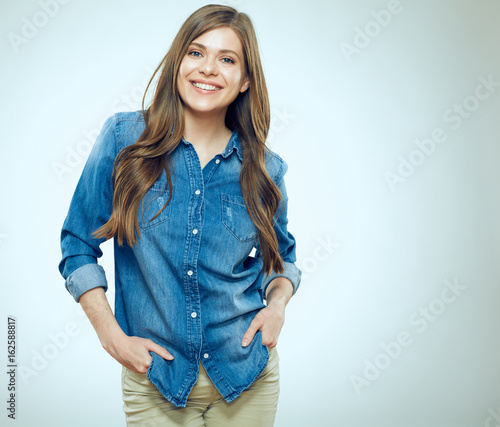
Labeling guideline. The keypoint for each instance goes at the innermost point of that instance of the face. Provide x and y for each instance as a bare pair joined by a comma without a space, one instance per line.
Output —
212,73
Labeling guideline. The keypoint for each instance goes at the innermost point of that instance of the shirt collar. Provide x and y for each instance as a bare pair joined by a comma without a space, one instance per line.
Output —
233,143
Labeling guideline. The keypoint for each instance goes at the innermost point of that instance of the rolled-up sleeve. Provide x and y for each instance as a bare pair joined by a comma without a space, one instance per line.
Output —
286,241
90,208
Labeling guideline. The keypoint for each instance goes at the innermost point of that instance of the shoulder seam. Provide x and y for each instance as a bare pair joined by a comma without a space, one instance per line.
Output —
121,117
282,168
129,116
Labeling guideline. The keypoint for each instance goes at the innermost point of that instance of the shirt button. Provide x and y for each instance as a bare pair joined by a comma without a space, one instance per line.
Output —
193,314
195,231
197,192
206,355
217,161
190,273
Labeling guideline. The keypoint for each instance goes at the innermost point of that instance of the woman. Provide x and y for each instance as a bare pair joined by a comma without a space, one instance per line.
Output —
197,206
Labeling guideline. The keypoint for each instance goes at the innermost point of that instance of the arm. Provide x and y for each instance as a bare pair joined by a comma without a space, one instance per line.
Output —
286,242
91,207
131,352
270,319
279,291
277,288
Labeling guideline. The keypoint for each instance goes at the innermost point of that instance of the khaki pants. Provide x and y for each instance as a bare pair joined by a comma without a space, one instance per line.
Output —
145,406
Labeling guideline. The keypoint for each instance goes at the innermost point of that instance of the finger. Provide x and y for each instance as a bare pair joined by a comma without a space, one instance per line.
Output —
137,361
140,359
158,349
270,342
143,366
133,354
250,333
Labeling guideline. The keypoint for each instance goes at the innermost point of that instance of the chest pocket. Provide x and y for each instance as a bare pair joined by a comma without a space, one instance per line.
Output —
152,202
236,219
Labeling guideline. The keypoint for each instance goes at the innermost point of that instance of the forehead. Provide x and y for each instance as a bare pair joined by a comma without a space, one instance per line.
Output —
220,38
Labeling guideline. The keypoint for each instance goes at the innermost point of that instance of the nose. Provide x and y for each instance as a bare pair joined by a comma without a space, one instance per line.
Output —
208,66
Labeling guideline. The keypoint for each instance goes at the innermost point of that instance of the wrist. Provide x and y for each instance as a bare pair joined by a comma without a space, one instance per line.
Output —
111,337
277,304
279,291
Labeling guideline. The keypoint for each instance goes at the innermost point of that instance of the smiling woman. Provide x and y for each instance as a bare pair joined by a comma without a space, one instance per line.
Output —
198,251
211,74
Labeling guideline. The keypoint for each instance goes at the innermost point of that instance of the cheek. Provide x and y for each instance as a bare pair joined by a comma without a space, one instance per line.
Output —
179,84
182,71
234,77
185,68
182,75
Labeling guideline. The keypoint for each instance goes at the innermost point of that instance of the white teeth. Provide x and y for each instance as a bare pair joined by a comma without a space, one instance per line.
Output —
205,86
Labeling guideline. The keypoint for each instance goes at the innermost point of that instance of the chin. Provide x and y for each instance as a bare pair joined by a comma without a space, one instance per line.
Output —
207,109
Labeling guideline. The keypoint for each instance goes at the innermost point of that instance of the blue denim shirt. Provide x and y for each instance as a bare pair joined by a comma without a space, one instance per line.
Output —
190,283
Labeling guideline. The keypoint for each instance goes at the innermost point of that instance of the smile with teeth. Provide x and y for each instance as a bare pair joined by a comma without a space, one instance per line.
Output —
205,86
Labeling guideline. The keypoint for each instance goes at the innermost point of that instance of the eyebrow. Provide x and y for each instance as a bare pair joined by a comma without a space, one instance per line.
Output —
221,50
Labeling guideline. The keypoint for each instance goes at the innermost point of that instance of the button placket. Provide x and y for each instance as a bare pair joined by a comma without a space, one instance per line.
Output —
193,303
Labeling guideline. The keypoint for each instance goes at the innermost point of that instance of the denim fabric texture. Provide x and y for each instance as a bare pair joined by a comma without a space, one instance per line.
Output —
193,282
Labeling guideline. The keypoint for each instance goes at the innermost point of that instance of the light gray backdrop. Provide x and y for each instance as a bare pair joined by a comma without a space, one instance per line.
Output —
387,113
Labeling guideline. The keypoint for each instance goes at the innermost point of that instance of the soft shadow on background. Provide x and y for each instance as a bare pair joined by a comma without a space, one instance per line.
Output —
388,116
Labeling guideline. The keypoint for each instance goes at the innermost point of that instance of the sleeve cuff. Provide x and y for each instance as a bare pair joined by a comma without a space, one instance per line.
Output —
84,278
291,272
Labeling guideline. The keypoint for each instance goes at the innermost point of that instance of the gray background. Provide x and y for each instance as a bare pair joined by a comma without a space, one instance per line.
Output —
375,259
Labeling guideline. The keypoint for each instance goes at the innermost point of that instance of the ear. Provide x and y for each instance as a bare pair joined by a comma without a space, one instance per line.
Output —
245,85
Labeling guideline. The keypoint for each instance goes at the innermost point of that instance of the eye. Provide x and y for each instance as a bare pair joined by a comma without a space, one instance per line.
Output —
227,61
194,53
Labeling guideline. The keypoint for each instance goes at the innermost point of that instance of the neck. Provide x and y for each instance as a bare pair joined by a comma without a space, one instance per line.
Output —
205,132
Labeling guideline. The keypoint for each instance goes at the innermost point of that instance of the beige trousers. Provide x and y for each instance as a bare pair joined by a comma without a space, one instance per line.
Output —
145,406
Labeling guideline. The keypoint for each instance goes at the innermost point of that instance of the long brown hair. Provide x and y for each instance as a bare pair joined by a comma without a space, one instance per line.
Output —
139,165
